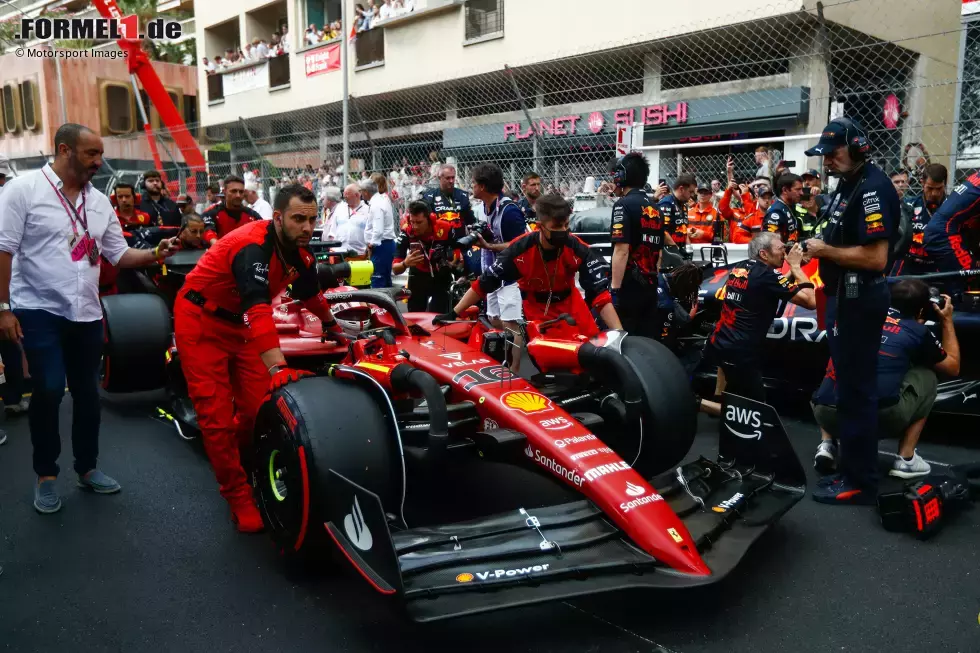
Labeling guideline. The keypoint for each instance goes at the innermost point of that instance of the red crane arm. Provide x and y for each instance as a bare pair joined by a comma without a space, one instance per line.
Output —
139,65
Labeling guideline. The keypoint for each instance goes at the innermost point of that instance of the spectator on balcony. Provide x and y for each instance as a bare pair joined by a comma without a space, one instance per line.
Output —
209,66
311,35
260,48
386,11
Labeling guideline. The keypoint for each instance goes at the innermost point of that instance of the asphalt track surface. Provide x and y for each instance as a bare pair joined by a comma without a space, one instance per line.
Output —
159,567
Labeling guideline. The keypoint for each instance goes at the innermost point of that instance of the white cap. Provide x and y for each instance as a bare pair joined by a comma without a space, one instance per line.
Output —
252,185
5,169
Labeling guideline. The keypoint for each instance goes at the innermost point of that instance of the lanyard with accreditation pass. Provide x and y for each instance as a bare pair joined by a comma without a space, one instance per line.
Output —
80,247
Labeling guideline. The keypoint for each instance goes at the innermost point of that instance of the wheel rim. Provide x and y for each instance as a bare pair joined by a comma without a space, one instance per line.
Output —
278,482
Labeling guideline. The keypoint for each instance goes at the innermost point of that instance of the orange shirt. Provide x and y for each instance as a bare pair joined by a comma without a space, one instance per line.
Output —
744,223
702,220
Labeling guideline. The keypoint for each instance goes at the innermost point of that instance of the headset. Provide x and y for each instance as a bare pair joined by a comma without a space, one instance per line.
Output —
857,142
619,173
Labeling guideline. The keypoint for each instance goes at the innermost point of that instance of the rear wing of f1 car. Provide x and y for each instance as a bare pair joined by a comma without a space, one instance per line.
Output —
556,552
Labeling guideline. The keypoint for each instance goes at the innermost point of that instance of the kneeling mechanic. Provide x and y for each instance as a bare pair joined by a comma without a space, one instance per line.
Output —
227,339
544,263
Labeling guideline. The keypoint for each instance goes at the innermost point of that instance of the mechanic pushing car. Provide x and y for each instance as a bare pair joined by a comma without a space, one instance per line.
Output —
944,233
853,254
638,234
909,358
677,302
544,263
232,213
752,295
917,260
427,253
228,341
781,218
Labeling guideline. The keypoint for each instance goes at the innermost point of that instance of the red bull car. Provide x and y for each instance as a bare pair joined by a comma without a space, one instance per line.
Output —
341,458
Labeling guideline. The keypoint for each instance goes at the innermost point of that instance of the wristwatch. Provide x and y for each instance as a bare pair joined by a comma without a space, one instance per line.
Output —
4,306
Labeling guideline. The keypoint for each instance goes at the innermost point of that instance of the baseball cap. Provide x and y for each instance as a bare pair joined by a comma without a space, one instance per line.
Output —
834,135
183,199
5,166
703,189
811,173
762,190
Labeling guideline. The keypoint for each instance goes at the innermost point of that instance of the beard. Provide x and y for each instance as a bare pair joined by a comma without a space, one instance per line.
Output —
82,172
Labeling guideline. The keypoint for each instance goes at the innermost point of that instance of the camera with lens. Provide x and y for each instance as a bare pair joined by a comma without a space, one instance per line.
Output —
473,233
936,298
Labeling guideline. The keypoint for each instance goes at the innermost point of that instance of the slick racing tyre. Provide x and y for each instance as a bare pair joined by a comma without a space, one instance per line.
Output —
137,334
304,431
670,416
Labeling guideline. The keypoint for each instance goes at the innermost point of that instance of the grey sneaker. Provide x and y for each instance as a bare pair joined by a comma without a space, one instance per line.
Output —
910,468
19,408
98,482
825,460
46,499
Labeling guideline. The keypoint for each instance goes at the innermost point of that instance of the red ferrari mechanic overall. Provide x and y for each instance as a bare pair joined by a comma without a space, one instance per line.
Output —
228,342
544,263
222,219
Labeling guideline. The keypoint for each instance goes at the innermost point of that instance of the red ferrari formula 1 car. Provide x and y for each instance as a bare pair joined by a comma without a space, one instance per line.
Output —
401,404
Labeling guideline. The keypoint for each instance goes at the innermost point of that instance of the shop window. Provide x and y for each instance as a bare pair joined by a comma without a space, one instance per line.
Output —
11,108
29,102
484,18
116,108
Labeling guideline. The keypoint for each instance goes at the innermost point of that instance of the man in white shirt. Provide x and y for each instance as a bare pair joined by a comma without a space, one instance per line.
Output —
256,202
380,232
329,199
347,225
385,12
53,226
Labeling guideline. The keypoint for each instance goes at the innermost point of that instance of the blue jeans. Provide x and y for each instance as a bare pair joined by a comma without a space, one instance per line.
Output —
58,349
854,336
382,256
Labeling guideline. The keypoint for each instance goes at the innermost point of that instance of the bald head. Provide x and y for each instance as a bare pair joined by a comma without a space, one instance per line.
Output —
352,195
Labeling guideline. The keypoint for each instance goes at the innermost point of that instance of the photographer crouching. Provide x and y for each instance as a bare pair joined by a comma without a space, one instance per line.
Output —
428,260
908,360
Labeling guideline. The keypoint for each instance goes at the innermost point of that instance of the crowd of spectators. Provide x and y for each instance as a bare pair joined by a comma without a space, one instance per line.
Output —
373,14
258,50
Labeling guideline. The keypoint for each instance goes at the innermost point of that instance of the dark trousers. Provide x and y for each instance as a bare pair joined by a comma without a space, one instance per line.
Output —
382,257
637,307
744,380
854,336
13,370
429,293
58,349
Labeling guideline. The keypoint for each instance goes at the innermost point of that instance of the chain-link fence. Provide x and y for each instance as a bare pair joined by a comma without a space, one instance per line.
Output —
725,88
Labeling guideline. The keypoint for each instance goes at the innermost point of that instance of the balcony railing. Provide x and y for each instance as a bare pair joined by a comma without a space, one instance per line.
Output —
369,48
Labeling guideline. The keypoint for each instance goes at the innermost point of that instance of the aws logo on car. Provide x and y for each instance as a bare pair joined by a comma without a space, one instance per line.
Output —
744,417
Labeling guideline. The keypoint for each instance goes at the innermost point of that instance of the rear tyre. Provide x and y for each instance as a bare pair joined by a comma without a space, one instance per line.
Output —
137,335
670,416
305,430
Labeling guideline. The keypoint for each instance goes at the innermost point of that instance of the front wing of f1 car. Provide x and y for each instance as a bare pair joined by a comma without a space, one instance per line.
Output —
548,553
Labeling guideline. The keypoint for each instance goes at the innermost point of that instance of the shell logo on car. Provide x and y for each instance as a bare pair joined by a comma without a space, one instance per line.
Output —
464,578
526,402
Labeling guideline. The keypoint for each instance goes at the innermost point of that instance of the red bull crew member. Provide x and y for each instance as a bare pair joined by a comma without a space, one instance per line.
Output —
673,207
450,204
781,218
531,187
944,233
853,255
544,263
232,213
638,233
228,342
917,260
752,295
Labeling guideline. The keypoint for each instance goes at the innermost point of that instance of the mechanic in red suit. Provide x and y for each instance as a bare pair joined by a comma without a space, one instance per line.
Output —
228,343
230,214
129,216
544,263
